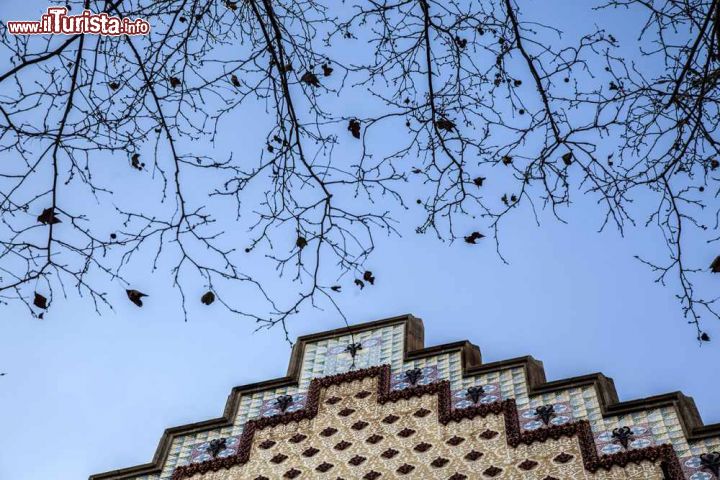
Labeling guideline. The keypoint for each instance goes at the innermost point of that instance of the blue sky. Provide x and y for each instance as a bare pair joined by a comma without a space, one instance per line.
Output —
86,393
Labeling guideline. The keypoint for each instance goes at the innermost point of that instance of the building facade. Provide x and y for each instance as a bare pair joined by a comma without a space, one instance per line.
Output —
372,402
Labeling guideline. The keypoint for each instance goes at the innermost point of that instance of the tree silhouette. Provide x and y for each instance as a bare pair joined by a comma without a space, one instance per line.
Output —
475,93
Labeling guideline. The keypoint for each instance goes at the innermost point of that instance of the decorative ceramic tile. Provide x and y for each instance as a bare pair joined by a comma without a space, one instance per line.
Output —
339,359
490,393
694,469
424,375
704,446
560,415
385,346
202,452
273,407
380,346
638,436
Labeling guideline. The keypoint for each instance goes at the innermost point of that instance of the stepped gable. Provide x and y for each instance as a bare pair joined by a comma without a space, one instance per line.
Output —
372,402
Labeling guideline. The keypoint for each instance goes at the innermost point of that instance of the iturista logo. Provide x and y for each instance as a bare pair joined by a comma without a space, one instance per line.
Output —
56,21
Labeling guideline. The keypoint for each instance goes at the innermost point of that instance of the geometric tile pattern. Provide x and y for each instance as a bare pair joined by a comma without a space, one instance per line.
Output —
409,446
693,469
338,359
490,392
272,406
385,345
638,436
423,376
561,414
203,451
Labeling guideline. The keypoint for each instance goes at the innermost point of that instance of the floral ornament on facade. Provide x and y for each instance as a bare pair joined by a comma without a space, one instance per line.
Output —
623,435
545,413
216,446
283,402
474,393
711,461
353,348
413,375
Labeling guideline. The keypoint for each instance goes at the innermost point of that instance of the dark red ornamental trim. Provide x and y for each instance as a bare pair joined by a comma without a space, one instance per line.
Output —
664,454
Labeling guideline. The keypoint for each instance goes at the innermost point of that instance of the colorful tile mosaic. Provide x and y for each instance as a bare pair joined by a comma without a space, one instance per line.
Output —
386,346
695,469
559,414
637,436
490,392
316,362
274,406
340,359
203,451
414,376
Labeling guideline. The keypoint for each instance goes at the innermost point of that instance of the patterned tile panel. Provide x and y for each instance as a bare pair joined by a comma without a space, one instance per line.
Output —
560,414
413,446
489,393
386,346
